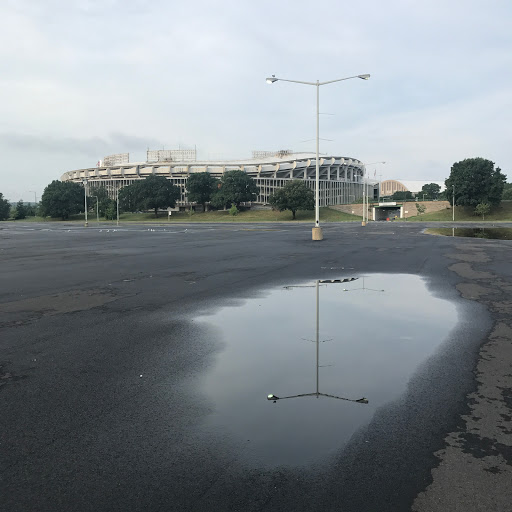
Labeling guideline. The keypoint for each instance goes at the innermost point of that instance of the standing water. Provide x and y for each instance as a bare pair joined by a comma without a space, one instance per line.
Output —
373,333
483,232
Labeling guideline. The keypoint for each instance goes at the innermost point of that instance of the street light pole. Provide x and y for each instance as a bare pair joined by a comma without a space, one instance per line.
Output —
317,392
453,204
317,230
363,223
97,209
85,200
317,334
117,206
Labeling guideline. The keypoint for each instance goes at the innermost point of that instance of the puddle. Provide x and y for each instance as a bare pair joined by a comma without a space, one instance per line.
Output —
374,332
491,233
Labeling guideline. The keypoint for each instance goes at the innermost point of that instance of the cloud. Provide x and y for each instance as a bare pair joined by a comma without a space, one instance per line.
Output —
91,147
85,78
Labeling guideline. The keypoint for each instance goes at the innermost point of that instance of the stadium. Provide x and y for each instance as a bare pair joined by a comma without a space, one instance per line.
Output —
341,178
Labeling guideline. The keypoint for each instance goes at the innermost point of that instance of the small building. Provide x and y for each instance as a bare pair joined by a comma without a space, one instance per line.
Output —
389,187
387,210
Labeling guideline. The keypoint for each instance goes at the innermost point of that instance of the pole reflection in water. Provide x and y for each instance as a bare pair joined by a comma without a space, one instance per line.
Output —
364,288
381,339
317,393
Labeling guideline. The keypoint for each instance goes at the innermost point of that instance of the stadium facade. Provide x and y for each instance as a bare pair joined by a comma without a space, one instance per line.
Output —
341,178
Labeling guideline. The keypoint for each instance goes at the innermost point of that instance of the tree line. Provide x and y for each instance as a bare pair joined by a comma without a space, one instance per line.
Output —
473,182
429,191
64,199
18,211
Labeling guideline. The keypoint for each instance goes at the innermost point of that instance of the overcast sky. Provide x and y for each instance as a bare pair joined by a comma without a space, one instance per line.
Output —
81,79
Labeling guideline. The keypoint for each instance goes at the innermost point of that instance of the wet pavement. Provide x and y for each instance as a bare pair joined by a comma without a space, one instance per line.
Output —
491,233
129,367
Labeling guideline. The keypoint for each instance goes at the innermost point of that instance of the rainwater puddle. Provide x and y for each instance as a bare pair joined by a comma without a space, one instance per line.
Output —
374,332
491,233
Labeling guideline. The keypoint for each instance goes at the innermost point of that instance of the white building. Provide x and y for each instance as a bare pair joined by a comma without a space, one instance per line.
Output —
341,178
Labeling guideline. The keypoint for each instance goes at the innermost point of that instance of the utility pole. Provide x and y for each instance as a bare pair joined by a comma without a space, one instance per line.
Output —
85,201
453,204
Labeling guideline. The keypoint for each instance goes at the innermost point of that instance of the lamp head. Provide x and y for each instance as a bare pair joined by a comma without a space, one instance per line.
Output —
363,77
362,401
272,79
273,398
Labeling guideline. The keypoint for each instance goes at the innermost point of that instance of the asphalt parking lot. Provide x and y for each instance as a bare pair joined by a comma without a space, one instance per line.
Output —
99,356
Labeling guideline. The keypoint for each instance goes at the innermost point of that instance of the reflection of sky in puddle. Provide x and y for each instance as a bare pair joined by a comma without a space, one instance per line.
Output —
377,340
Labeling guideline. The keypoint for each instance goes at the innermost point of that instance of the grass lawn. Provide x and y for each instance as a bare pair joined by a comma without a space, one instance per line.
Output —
501,213
465,214
326,215
75,218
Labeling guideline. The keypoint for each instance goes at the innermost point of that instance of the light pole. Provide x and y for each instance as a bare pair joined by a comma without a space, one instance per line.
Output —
84,181
453,204
97,209
35,196
317,230
365,193
117,206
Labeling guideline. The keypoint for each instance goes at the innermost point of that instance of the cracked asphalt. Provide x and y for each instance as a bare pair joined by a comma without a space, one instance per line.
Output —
100,356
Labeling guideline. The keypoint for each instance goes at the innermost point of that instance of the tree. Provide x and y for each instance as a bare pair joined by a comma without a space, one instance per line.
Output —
507,192
295,195
476,181
431,190
31,209
159,192
5,208
104,202
400,195
152,193
235,187
482,209
128,197
62,199
110,210
20,211
200,188
421,208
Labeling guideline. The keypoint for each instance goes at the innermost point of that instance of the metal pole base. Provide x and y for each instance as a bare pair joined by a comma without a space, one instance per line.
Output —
86,224
317,234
